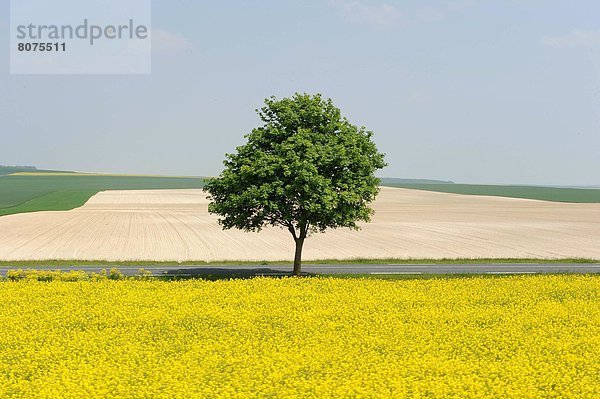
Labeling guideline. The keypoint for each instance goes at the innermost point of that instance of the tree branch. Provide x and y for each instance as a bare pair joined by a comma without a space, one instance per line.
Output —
303,229
293,231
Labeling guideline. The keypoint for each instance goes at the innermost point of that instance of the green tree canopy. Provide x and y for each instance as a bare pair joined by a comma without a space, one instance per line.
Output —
306,169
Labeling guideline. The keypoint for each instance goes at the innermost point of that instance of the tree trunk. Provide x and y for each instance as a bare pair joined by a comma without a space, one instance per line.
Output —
298,256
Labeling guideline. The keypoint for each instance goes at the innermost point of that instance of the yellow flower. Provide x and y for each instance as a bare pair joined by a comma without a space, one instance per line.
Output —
508,337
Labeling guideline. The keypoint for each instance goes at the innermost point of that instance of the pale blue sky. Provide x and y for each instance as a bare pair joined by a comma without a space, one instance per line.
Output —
470,91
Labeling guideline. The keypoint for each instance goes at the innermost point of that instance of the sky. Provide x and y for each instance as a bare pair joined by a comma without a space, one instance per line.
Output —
490,92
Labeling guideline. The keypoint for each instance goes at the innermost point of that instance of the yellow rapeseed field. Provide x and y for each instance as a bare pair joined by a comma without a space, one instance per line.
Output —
508,337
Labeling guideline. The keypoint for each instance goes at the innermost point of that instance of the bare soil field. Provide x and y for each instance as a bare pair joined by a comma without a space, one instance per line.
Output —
174,225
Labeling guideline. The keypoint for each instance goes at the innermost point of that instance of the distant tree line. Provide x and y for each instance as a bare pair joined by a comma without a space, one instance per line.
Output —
19,167
395,180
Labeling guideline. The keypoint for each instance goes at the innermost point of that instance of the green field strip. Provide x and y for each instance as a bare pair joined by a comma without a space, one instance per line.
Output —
31,193
55,201
555,194
392,261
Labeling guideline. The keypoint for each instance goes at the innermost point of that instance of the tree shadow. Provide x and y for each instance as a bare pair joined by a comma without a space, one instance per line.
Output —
214,273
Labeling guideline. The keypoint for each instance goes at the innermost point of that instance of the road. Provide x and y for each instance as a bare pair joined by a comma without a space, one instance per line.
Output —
365,269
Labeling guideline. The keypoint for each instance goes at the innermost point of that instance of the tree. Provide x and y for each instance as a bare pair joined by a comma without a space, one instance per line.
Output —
306,169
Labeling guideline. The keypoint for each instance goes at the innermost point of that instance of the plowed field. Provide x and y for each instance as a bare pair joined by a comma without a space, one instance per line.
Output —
174,225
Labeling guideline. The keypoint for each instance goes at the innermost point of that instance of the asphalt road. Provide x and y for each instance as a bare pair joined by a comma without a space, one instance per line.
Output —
382,269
